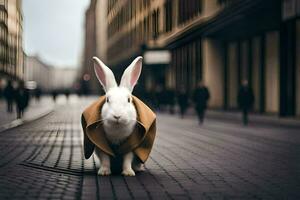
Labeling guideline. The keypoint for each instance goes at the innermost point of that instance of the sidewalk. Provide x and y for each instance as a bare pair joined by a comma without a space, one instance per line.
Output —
258,119
34,111
254,118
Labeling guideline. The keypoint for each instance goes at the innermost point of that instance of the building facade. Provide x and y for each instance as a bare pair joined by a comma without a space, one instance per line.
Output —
220,42
11,40
94,45
39,72
63,78
15,39
3,39
47,77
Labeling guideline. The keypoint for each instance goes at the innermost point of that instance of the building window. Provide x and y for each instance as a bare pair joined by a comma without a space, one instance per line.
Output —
169,16
226,3
188,9
290,9
155,24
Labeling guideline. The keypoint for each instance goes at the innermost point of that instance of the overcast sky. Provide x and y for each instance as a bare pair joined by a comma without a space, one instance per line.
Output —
53,29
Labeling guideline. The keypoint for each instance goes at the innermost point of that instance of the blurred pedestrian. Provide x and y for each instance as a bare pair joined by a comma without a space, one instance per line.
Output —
151,96
67,93
171,100
245,100
9,93
1,90
38,93
183,100
22,99
163,99
157,97
201,96
54,95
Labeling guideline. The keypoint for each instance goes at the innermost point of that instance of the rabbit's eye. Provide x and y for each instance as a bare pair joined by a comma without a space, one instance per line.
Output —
107,100
128,100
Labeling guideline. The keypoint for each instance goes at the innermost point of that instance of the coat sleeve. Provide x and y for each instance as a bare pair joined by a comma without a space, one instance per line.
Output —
87,144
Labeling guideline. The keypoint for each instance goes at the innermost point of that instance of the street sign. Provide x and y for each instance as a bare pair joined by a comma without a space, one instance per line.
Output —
157,57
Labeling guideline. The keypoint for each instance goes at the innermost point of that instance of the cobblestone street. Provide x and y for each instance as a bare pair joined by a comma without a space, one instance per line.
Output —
219,160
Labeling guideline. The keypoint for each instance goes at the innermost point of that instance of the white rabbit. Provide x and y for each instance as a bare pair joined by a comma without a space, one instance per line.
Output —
118,113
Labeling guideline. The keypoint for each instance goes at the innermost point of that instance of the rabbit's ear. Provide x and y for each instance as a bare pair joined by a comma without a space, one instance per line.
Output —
132,74
104,74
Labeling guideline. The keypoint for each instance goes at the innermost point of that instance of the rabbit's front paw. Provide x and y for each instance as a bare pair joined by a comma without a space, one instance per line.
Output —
128,172
104,171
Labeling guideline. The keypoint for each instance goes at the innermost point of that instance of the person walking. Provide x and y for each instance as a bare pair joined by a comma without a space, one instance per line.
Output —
37,94
67,94
171,100
183,100
54,95
201,96
245,100
8,94
22,99
1,90
158,90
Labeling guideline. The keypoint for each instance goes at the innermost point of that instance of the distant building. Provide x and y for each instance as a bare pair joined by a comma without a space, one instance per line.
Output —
220,42
47,77
101,29
63,78
86,75
94,44
39,72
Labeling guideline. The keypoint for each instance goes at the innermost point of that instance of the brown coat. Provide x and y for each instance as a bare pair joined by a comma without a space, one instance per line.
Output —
140,141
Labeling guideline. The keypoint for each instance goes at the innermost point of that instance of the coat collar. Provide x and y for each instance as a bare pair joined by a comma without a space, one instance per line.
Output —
145,115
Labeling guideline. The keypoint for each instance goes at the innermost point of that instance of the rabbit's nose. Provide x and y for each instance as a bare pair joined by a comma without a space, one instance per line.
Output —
117,116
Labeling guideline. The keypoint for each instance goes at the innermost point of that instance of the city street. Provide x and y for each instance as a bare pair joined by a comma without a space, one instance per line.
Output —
43,159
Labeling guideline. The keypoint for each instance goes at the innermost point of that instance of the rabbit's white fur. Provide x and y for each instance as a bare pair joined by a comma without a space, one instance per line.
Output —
118,131
118,113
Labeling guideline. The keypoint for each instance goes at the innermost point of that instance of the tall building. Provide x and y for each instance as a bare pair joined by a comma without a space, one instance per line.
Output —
221,42
94,44
11,48
101,29
15,39
3,40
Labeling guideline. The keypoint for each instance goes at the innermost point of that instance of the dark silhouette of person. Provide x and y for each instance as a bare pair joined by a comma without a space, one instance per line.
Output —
84,87
67,93
201,96
183,100
158,97
164,101
152,99
245,100
54,95
22,99
170,95
9,93
1,91
38,93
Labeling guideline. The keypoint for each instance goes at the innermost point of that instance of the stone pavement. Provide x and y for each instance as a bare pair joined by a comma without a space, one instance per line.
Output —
35,110
219,160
